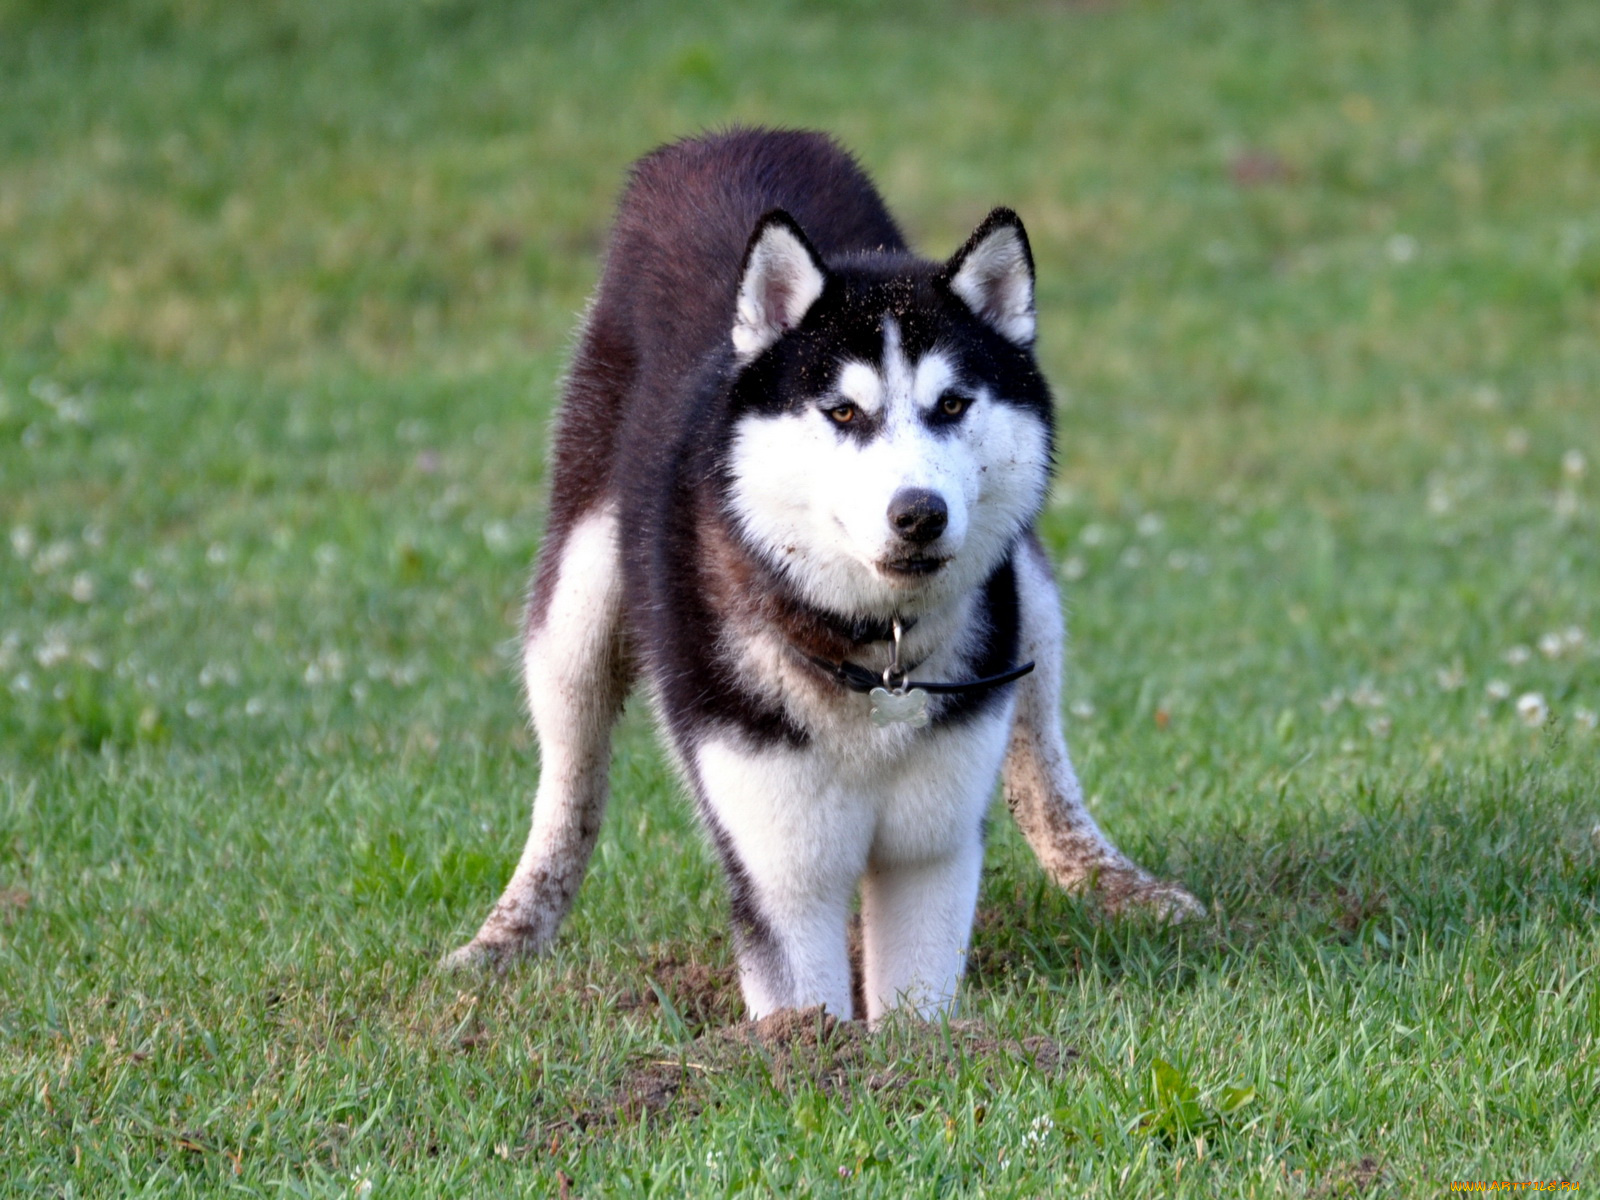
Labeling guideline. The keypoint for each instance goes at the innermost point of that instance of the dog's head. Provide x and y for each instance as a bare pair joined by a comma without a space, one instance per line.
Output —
891,431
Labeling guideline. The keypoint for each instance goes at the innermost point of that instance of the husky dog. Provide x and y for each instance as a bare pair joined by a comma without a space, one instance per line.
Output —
795,465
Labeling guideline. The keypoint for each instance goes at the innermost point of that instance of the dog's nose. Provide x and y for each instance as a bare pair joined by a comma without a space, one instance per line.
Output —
918,515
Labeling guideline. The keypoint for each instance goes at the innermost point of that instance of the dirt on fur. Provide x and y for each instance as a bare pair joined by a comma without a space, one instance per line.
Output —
807,1046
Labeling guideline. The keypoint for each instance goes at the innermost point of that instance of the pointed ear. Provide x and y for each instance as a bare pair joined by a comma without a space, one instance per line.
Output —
993,276
781,279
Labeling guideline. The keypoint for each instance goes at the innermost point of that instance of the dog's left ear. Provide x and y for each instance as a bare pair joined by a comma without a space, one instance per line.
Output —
781,279
993,276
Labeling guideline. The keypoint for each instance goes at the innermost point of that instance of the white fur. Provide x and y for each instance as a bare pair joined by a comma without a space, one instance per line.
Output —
815,503
781,282
996,282
574,692
1042,789
898,814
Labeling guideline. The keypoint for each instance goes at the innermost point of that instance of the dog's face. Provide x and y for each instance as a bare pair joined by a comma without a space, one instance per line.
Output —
891,432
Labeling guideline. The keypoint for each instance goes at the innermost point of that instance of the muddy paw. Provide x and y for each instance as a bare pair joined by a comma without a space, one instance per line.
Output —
482,955
1130,893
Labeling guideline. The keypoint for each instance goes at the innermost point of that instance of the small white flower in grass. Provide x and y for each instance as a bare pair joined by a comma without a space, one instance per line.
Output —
217,554
1585,719
94,537
53,650
1074,569
327,555
194,710
1092,534
1573,637
497,536
1487,397
1450,679
1150,524
53,557
1517,655
1133,557
1038,1133
82,589
254,706
1367,696
1401,248
1081,709
142,579
22,541
1573,464
1517,442
1497,689
1551,645
22,684
1532,708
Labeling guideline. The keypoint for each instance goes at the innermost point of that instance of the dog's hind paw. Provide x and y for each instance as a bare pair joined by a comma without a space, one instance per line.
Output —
482,955
1134,893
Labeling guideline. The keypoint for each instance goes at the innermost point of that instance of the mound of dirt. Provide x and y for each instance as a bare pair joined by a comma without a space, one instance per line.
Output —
808,1047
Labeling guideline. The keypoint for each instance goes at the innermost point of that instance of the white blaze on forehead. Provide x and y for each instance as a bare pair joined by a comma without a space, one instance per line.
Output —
896,382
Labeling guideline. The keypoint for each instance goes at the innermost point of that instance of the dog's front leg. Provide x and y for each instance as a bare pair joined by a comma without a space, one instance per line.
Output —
1042,789
793,844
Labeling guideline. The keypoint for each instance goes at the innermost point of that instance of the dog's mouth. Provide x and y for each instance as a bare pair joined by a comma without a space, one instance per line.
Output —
912,566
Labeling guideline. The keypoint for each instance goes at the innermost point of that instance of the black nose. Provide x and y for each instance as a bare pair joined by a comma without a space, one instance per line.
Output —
918,515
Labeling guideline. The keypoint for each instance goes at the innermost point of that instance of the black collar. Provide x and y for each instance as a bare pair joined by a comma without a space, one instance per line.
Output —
860,679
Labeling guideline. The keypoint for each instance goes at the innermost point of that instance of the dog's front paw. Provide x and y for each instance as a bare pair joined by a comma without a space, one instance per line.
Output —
1129,892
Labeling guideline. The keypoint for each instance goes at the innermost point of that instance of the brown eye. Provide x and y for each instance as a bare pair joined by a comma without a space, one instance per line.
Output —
953,405
842,414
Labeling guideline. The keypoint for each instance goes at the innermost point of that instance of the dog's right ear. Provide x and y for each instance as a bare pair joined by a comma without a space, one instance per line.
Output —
781,279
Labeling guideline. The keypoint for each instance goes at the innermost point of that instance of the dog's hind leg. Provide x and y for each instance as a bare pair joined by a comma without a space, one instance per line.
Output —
577,672
1041,788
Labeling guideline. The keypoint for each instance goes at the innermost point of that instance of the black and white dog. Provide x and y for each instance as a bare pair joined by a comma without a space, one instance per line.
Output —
795,478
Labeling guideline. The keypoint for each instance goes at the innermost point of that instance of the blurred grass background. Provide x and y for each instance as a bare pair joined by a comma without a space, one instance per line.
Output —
285,290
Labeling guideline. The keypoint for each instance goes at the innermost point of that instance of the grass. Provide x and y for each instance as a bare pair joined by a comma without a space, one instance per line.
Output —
284,291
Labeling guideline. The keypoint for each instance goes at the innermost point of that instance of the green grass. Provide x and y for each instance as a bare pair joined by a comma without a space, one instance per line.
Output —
284,292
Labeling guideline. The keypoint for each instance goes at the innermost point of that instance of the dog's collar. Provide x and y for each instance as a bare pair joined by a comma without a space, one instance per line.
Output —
895,697
861,679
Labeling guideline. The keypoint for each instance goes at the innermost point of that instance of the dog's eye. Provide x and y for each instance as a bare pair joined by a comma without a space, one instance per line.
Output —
952,405
843,414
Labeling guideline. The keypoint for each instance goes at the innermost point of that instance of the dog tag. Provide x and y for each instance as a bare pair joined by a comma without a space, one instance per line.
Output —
890,708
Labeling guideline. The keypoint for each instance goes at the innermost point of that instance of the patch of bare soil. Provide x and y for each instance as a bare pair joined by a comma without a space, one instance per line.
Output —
12,901
1363,1178
704,995
797,1047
